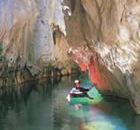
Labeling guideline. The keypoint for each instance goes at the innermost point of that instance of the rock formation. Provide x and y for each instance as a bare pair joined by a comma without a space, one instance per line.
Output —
105,40
32,41
101,36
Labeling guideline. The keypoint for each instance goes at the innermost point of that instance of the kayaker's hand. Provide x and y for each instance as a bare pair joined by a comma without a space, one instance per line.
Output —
93,85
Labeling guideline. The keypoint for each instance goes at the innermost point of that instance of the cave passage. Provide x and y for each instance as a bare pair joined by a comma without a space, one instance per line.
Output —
43,106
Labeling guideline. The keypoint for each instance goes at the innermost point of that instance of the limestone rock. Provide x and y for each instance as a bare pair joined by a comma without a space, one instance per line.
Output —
32,37
104,39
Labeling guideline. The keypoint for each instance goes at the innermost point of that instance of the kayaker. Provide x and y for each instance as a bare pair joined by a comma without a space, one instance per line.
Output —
77,89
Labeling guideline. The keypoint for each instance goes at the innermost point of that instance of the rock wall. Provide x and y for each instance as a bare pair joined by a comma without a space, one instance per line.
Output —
102,37
105,40
32,41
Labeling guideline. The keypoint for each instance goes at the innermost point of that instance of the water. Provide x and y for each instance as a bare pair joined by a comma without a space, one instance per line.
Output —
42,106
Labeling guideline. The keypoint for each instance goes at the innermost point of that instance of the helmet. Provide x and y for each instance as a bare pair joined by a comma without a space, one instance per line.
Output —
76,81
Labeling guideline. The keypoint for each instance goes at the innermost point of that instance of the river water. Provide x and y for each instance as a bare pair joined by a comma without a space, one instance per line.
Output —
42,105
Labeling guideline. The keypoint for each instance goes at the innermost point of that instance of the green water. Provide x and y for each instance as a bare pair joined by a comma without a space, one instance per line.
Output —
43,106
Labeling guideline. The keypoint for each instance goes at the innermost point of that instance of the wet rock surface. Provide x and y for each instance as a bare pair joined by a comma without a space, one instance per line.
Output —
106,42
40,38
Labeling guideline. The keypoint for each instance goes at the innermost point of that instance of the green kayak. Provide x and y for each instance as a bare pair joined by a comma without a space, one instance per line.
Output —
85,100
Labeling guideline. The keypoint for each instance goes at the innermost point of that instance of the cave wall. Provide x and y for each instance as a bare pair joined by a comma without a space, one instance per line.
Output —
105,40
32,41
38,38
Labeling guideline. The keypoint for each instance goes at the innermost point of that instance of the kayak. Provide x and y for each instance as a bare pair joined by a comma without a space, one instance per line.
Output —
76,95
82,99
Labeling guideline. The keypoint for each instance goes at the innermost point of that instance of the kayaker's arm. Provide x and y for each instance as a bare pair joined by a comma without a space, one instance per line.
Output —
84,90
91,87
72,90
87,89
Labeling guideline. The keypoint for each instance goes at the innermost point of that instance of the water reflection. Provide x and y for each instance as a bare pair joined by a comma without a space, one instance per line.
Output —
41,105
110,114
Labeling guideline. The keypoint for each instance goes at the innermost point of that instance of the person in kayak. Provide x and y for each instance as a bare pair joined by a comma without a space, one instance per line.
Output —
77,90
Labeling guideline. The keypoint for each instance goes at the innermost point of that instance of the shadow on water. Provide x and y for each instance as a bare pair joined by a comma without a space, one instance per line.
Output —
12,95
42,105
